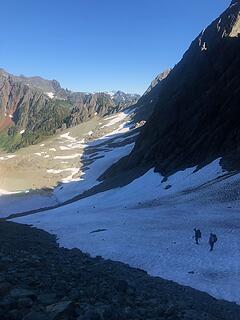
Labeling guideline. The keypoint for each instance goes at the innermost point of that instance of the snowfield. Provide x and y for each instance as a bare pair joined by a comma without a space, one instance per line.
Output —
148,223
71,186
151,227
18,201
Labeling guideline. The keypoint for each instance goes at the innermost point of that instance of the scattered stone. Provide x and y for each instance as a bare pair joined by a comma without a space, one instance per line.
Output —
172,311
164,179
122,286
7,303
47,298
191,314
14,314
4,288
36,315
25,302
68,285
6,259
21,293
90,315
113,313
60,309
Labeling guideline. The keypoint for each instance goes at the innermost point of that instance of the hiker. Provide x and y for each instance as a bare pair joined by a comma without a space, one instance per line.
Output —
197,235
212,240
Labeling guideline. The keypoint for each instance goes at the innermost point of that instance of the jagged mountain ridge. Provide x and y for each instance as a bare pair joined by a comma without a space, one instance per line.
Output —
148,100
27,114
32,108
161,76
88,105
196,118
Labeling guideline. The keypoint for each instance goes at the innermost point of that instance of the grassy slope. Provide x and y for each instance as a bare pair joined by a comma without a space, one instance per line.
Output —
48,120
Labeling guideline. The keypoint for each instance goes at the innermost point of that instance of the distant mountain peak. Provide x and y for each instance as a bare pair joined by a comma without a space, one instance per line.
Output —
3,73
35,108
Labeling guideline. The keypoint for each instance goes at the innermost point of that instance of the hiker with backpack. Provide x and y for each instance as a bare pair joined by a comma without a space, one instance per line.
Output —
197,235
212,240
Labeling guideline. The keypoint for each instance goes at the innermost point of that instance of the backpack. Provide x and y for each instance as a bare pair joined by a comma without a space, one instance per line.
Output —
199,234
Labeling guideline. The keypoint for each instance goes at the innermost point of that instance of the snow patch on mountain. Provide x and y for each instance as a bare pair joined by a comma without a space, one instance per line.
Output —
151,227
72,156
67,136
50,95
10,156
115,119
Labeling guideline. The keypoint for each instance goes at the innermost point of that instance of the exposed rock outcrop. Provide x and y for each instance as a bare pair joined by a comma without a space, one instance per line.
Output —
196,118
32,108
86,106
160,77
26,113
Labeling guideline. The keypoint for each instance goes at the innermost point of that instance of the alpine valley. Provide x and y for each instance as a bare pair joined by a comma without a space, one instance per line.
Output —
101,193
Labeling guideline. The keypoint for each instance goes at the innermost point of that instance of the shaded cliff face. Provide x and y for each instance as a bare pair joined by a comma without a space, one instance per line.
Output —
154,86
148,100
197,114
33,108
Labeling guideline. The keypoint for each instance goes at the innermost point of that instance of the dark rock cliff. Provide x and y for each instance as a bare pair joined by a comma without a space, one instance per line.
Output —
197,113
146,104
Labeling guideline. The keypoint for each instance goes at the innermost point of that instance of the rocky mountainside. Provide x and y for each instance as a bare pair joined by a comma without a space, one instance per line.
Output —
147,102
86,106
32,108
155,83
196,118
26,113
40,281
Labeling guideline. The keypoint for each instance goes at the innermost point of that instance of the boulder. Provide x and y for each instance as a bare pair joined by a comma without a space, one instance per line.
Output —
22,293
4,287
47,298
36,315
58,310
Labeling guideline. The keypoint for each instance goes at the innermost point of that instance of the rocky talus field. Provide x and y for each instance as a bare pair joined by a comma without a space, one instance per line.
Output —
126,179
41,281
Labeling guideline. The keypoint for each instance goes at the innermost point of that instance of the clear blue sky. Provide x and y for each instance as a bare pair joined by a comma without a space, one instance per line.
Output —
98,45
